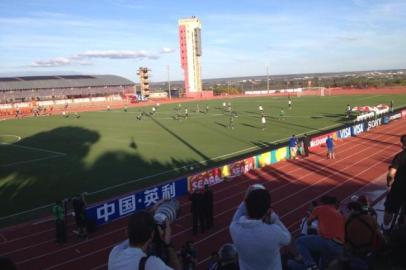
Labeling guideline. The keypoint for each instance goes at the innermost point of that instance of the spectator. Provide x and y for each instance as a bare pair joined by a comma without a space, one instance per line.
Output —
188,254
304,228
328,244
300,148
7,264
197,209
79,208
306,144
362,234
214,261
366,207
257,232
228,257
131,254
208,206
59,214
396,179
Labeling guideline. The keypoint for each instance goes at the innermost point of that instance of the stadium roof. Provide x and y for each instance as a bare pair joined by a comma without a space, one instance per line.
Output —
62,81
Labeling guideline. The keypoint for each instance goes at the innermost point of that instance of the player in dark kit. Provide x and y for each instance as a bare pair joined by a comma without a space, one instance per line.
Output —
348,111
231,121
140,115
396,179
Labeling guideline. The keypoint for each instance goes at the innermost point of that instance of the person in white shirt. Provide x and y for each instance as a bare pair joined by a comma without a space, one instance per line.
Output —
130,253
263,122
257,232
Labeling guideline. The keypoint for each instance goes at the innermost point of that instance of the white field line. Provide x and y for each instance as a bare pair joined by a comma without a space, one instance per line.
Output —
37,149
374,96
101,236
10,135
30,161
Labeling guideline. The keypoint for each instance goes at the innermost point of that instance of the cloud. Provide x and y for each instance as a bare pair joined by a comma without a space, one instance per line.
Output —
347,38
82,58
114,54
167,50
58,62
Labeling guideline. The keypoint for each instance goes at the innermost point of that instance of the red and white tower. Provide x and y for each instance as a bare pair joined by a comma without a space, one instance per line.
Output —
190,53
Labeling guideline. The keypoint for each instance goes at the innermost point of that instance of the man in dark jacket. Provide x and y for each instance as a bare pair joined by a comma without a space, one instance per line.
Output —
79,207
208,206
306,144
396,179
197,209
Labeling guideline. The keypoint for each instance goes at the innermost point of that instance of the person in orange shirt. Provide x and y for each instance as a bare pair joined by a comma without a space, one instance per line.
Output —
328,243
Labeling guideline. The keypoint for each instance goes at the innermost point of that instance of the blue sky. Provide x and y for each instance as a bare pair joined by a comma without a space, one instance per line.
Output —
239,38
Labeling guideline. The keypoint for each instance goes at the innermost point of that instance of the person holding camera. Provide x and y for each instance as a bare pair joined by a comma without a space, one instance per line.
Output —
131,254
257,232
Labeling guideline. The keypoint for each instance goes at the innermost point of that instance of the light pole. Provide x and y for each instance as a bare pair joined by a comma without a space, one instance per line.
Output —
169,82
267,77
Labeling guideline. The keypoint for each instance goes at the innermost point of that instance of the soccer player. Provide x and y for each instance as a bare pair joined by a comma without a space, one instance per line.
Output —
224,105
229,107
140,114
231,122
153,110
125,108
197,108
348,111
282,114
330,148
261,109
289,103
263,121
186,113
207,109
108,107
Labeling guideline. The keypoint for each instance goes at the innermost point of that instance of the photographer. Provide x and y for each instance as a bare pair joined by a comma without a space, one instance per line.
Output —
257,232
131,254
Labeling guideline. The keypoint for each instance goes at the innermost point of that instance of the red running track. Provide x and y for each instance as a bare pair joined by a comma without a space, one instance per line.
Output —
360,163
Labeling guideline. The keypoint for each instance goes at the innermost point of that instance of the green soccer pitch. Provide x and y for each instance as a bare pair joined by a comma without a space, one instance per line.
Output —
47,158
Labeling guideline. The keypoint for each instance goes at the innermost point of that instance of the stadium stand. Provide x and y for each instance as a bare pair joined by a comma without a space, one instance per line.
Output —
23,95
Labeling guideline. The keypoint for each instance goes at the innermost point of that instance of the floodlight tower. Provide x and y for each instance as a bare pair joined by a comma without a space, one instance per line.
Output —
190,53
143,74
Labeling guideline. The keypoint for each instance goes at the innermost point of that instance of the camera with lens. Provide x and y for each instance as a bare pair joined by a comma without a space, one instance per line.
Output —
167,211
